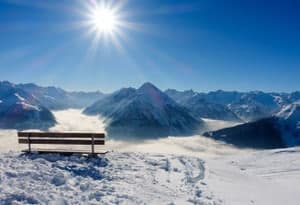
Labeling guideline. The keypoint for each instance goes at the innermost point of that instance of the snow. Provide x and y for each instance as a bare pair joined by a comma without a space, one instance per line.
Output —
19,97
116,178
24,103
291,112
49,97
173,170
262,177
289,121
27,106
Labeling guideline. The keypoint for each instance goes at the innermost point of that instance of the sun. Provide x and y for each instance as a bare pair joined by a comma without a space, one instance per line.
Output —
104,20
106,23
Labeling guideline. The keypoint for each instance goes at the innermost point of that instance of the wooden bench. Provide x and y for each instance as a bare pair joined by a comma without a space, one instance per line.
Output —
62,138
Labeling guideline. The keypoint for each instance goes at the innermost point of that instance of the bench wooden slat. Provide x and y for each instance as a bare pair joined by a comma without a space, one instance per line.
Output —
59,137
61,134
61,141
64,151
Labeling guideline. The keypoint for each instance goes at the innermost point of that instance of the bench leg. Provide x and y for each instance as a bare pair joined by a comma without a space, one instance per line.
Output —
29,144
93,145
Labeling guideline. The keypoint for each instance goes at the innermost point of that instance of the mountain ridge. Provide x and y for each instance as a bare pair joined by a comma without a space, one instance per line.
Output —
146,112
21,110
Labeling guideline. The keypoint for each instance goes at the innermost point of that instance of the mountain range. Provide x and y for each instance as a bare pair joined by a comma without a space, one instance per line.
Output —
232,105
267,120
200,107
58,99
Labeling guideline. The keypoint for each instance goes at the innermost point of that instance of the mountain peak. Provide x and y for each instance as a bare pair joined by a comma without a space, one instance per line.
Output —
151,90
148,86
144,112
7,83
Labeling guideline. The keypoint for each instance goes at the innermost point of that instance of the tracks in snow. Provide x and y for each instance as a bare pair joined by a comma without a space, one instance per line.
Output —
118,178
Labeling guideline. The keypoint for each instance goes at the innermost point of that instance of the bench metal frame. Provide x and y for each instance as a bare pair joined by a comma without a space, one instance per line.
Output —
62,138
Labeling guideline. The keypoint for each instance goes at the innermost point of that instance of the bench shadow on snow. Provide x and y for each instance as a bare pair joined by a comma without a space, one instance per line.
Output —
75,164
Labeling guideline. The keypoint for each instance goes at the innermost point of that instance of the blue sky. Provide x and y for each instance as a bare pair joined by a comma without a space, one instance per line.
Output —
198,44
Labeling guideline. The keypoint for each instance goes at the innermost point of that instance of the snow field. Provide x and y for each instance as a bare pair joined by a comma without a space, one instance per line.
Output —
116,178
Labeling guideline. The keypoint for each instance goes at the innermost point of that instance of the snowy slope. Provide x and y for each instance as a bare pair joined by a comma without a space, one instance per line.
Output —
256,178
19,109
116,178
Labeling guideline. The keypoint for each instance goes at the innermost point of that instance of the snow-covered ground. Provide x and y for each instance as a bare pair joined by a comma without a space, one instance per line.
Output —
174,170
262,177
117,178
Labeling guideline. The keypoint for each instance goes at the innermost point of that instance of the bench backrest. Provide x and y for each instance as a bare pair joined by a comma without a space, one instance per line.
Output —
68,138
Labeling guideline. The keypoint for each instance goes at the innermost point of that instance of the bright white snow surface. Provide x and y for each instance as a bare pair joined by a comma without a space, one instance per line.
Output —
116,178
184,170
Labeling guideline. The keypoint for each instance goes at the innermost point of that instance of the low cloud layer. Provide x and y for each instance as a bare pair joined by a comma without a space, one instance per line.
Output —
74,120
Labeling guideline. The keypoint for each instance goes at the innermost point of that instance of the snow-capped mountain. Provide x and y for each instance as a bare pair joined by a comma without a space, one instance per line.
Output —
247,106
289,124
144,112
58,99
200,107
278,131
20,110
255,105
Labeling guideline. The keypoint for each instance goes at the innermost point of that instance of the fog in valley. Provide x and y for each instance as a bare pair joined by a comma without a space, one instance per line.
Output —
73,120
